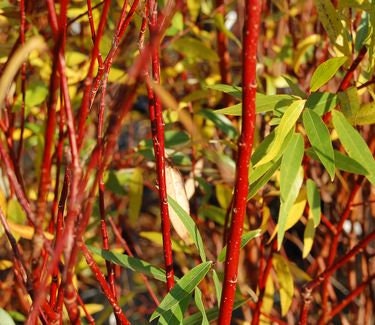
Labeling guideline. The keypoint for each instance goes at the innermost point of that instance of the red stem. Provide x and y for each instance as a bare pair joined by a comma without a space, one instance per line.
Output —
157,129
104,285
309,287
245,144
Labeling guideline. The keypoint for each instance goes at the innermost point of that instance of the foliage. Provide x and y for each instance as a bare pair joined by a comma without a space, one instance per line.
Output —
119,142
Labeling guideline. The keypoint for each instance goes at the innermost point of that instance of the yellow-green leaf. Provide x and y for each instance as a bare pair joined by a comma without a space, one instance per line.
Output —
313,198
331,22
325,72
365,115
135,195
320,140
308,236
285,279
354,144
287,122
223,195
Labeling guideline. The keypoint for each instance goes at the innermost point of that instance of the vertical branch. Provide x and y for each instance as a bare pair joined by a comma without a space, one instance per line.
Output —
222,48
23,79
245,144
157,129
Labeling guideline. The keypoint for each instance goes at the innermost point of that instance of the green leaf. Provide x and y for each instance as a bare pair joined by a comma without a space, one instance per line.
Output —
193,48
325,72
244,240
321,103
287,122
296,90
320,140
135,195
175,315
211,212
130,263
354,144
256,183
183,288
218,286
234,91
313,197
332,24
342,162
365,115
199,303
157,238
349,101
212,314
190,226
285,279
291,178
5,318
36,94
220,121
264,103
235,110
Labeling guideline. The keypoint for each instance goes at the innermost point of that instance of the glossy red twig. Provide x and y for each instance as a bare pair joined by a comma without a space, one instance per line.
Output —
245,144
157,129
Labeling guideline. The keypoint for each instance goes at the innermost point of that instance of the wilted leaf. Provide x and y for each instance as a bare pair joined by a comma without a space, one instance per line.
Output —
5,318
176,190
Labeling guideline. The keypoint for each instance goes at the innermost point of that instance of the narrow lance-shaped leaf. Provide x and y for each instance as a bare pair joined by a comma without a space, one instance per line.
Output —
176,190
190,226
313,198
320,140
287,122
325,72
244,240
285,279
354,144
135,195
308,236
182,289
332,24
131,263
199,303
291,177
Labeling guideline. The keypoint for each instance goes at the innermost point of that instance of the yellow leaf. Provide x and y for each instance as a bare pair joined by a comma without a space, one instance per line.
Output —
25,231
5,264
223,195
135,195
308,236
17,134
92,308
268,298
286,284
156,238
